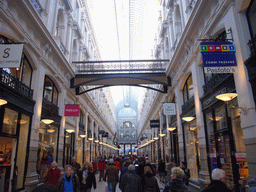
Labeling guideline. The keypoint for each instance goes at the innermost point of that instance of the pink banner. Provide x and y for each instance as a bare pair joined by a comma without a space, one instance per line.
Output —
71,111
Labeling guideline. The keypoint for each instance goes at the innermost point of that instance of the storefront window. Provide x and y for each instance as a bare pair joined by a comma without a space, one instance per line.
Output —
47,147
239,141
80,145
12,164
221,118
211,140
7,150
192,149
69,148
220,142
10,121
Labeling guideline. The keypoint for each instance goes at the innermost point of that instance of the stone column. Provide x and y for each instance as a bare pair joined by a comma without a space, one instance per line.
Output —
179,102
203,177
38,81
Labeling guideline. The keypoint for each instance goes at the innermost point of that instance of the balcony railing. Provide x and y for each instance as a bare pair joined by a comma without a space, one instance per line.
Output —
12,82
188,104
125,66
252,45
214,81
37,6
49,107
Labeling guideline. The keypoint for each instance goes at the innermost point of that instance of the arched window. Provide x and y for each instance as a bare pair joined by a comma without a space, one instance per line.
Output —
188,89
81,117
50,91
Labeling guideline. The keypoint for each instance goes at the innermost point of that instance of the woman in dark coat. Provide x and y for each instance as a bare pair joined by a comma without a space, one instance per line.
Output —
86,177
149,182
177,184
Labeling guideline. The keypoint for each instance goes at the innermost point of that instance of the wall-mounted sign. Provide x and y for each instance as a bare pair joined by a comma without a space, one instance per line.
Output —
218,57
169,109
105,134
154,123
10,55
71,111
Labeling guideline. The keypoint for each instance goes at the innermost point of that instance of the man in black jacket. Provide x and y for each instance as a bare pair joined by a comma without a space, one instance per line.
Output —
131,181
218,182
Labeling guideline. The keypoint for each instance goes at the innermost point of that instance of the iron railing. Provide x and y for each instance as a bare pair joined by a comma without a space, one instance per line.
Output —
214,81
252,45
37,6
12,82
188,104
122,66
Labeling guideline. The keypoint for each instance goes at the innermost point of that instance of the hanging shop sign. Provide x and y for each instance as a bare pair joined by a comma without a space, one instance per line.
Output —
71,111
240,157
169,109
10,55
218,57
154,123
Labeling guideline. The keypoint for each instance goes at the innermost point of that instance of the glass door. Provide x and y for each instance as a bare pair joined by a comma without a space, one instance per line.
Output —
223,144
7,153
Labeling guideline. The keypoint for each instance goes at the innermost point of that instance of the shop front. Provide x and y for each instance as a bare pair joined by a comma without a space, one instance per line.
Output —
15,121
224,136
49,129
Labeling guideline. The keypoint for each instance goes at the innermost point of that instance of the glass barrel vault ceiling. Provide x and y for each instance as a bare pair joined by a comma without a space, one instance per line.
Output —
125,30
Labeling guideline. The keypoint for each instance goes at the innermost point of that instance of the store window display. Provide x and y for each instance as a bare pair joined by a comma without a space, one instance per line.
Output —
220,141
192,149
47,148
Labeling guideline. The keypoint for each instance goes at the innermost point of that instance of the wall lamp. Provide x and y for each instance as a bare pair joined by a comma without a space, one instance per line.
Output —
70,130
171,128
2,102
162,134
83,136
188,119
47,121
228,97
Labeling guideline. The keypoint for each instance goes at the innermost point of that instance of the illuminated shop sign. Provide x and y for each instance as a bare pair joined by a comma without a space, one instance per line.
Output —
71,111
218,57
154,123
10,55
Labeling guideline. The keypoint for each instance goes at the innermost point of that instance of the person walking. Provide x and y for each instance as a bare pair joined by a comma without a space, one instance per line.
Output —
87,177
131,181
74,164
111,176
149,182
218,183
161,170
184,167
101,167
176,184
68,182
53,174
118,165
94,166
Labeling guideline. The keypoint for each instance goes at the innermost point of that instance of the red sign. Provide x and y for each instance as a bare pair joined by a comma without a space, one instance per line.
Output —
240,157
71,111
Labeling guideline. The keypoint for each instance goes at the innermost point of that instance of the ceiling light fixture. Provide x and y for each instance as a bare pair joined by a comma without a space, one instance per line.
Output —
171,128
188,119
47,121
226,96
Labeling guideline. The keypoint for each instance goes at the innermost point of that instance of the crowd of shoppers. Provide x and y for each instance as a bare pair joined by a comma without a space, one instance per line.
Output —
137,174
